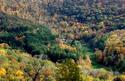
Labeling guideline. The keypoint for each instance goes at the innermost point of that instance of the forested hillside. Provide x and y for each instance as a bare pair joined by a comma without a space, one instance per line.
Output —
62,40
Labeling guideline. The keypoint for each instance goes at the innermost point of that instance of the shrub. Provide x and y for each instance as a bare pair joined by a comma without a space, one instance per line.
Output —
68,71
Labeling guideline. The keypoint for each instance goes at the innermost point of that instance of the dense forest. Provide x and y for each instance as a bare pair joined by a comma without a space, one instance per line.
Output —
62,40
